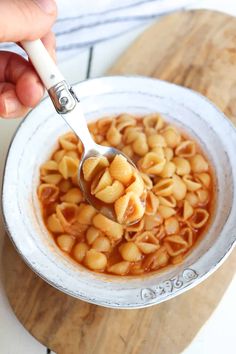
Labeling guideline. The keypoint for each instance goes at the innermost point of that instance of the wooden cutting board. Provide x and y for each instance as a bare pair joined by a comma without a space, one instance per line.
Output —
196,49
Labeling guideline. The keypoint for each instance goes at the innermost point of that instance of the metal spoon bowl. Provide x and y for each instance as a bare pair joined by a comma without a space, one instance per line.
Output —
68,106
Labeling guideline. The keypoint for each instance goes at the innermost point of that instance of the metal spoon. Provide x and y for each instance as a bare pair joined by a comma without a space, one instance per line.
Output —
67,105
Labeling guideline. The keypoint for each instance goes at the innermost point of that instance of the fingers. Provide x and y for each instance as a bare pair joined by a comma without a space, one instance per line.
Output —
26,19
10,106
20,86
29,89
49,41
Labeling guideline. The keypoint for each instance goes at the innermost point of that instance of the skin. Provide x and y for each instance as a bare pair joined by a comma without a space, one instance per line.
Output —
20,86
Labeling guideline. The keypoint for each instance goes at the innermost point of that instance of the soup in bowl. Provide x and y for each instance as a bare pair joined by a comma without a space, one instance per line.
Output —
183,147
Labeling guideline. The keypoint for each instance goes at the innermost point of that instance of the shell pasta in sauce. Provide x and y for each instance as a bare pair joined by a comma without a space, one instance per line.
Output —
179,192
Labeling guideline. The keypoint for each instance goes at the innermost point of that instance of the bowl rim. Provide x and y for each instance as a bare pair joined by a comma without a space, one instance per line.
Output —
188,286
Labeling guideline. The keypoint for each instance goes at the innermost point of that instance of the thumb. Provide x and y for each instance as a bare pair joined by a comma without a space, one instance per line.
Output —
26,19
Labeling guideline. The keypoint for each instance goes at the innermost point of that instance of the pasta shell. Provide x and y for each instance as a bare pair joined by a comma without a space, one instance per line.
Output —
147,237
136,268
192,198
93,165
111,193
152,221
105,143
68,141
160,232
103,125
76,229
95,260
152,203
183,166
128,208
54,225
175,245
93,127
121,170
108,227
166,212
159,151
156,140
172,226
186,149
131,134
203,196
130,252
198,163
187,234
191,185
138,226
171,136
65,185
80,148
68,167
58,155
85,214
80,251
177,259
169,201
98,138
156,259
164,187
102,244
147,248
53,178
204,178
101,181
154,121
48,193
137,186
120,268
187,210
65,242
74,195
147,181
92,234
140,145
73,154
67,213
113,135
168,153
125,120
152,164
179,188
50,165
168,170
176,239
199,218
128,151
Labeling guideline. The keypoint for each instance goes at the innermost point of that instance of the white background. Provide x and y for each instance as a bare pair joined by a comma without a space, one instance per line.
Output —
217,335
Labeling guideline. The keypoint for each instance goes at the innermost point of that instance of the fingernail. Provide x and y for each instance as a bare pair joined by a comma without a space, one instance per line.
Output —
48,6
12,105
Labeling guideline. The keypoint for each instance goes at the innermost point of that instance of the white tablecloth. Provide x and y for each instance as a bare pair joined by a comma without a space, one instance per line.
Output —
83,23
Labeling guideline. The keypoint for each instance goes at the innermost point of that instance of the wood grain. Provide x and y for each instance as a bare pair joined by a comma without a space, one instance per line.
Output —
195,49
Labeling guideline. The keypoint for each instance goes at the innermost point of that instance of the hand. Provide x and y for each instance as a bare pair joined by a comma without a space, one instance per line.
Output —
20,86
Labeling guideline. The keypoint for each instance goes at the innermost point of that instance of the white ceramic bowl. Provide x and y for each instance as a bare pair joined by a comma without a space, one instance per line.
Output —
35,140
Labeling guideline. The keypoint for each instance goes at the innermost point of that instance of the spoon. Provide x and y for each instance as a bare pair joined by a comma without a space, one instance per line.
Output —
68,106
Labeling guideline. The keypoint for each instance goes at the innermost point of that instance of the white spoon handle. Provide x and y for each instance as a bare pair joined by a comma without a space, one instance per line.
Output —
61,94
43,63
